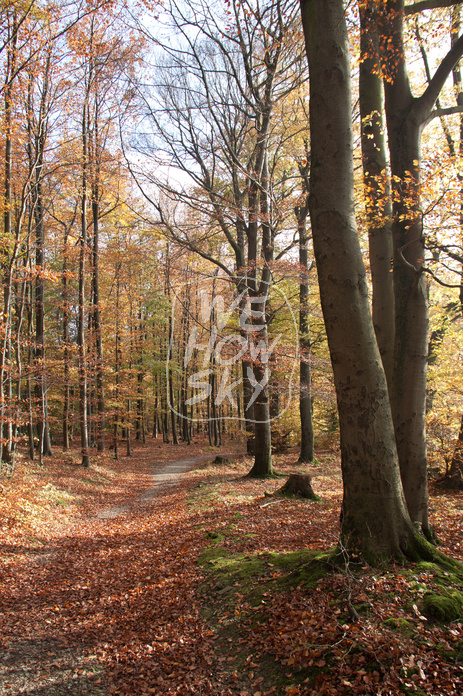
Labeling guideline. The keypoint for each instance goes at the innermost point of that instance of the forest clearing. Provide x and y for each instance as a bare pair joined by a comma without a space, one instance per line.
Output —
203,585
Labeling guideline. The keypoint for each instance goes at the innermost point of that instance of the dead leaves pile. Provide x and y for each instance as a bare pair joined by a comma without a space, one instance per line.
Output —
128,596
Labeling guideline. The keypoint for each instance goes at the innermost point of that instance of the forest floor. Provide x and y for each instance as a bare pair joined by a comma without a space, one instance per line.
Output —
164,573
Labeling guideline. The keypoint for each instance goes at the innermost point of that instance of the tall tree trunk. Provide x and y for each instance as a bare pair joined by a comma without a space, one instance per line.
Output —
408,388
305,377
38,136
117,364
172,408
376,183
12,26
41,383
376,520
258,373
128,429
66,344
30,362
185,423
259,376
83,401
140,339
96,317
95,157
456,464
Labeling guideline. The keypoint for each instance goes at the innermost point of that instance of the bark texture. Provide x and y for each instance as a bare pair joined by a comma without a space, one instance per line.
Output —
376,520
298,485
376,184
406,117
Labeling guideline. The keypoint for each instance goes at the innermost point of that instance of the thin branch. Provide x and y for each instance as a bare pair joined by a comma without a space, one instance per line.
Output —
427,5
430,95
439,281
437,113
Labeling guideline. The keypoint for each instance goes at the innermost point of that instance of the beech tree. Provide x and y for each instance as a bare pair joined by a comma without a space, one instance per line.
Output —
378,204
376,520
400,228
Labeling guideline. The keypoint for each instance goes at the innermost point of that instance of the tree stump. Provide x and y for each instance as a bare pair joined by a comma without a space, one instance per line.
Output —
298,485
453,481
220,459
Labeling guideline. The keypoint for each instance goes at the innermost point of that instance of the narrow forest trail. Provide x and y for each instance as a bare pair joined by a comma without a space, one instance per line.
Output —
110,599
114,587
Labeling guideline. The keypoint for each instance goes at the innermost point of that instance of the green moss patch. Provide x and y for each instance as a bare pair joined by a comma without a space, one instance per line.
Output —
445,575
400,625
443,607
248,571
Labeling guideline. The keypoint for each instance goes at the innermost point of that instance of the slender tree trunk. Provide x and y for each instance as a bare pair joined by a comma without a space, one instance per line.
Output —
128,429
172,412
155,415
30,363
305,377
141,336
117,364
66,344
260,214
185,423
5,444
262,466
83,401
41,387
38,136
376,184
96,315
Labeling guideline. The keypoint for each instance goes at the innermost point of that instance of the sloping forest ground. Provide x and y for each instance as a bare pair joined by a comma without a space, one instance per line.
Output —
125,579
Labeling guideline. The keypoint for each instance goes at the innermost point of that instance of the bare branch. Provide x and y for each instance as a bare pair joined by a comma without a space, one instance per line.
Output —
430,95
416,7
437,113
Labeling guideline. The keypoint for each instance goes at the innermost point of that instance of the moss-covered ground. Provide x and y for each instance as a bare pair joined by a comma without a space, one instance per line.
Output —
293,616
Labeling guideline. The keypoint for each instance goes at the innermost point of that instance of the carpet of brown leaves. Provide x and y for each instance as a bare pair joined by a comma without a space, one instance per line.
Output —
102,593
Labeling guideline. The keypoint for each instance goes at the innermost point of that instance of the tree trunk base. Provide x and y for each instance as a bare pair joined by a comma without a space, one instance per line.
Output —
306,459
255,473
298,485
452,481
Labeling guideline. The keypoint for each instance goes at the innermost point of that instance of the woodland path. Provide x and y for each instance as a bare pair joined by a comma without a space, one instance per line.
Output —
113,601
100,586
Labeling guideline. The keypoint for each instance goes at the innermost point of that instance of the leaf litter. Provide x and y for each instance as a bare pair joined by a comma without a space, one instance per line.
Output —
197,586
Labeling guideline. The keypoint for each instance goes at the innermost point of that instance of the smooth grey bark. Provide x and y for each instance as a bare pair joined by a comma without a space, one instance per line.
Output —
140,431
305,378
406,117
376,520
262,466
378,205
456,465
213,426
